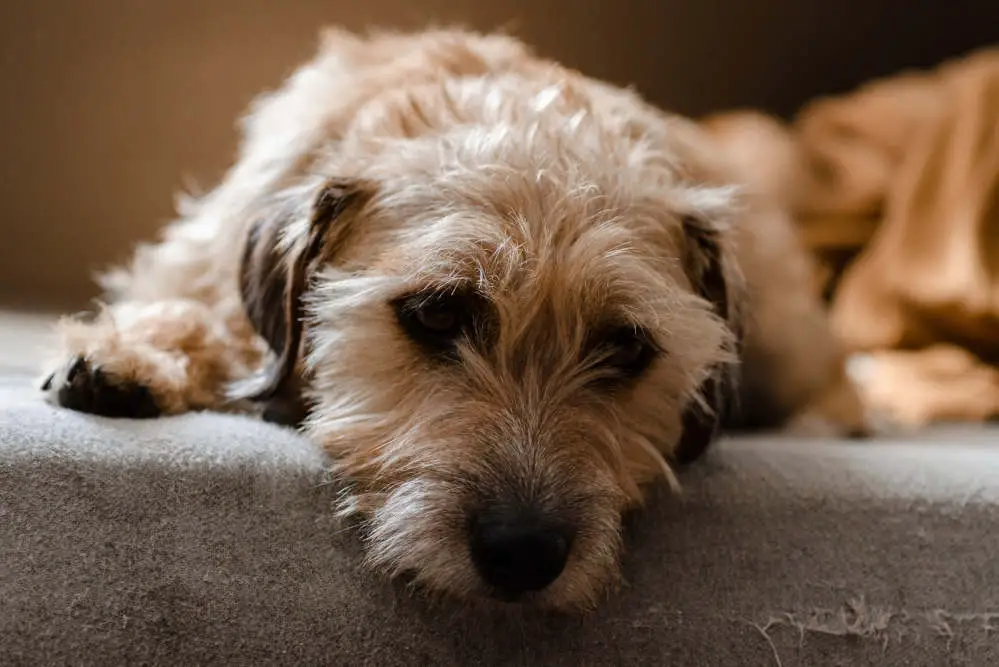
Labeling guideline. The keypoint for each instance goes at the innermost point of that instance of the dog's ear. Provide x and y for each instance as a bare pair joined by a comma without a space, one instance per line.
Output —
711,272
282,250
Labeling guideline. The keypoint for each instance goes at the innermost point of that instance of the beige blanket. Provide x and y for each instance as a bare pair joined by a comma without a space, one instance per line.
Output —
895,188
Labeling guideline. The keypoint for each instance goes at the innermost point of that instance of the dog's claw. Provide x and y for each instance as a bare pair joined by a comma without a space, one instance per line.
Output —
79,365
89,389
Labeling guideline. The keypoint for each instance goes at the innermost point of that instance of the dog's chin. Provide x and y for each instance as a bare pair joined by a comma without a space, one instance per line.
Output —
418,535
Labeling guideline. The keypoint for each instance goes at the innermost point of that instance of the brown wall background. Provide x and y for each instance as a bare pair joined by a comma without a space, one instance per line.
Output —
108,107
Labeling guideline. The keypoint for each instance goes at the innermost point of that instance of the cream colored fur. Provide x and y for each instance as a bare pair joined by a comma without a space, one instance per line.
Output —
561,201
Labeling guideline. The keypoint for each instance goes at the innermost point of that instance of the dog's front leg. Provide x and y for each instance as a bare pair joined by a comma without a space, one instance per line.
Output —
139,359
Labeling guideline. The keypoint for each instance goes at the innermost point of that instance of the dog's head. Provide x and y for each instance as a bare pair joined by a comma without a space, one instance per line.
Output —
504,330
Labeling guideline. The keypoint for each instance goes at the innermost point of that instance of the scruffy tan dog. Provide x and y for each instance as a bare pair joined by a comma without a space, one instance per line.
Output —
501,295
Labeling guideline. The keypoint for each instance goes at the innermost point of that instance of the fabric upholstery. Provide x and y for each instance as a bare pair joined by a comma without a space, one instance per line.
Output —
209,539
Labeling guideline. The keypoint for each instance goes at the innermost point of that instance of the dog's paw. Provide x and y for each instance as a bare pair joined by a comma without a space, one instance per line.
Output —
83,386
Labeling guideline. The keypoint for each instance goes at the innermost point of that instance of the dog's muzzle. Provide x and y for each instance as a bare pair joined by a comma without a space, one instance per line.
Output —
518,551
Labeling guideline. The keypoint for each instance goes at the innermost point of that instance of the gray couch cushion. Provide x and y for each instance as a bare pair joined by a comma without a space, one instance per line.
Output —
208,539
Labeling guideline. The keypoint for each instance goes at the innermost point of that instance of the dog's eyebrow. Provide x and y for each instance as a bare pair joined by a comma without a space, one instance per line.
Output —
453,285
614,327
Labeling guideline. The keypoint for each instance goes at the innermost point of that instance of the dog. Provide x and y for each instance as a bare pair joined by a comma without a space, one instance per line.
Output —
503,296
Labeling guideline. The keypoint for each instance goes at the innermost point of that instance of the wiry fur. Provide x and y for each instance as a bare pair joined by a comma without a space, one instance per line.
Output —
450,161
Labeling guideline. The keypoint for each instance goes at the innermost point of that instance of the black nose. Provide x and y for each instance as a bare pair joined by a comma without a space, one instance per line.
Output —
518,552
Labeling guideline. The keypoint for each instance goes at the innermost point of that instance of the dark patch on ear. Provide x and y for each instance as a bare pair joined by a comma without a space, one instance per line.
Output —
705,267
274,274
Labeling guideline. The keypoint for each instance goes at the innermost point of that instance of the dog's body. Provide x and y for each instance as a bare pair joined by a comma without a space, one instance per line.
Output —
501,295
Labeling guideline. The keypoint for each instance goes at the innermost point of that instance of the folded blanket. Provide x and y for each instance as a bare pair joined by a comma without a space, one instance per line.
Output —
895,188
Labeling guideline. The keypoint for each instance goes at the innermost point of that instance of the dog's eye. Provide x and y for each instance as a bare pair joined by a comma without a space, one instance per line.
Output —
628,350
440,318
436,321
627,353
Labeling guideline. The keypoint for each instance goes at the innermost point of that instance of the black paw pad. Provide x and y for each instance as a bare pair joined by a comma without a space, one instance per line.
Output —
86,388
